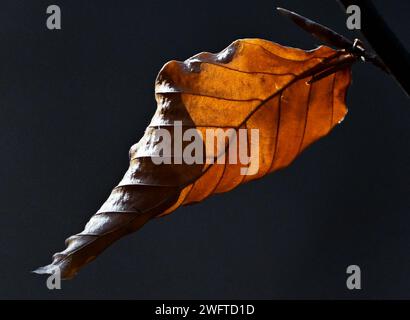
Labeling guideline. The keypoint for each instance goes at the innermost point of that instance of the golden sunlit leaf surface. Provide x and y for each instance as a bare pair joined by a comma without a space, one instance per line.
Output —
252,84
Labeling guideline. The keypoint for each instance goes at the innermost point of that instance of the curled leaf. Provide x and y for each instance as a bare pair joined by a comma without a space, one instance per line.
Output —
252,84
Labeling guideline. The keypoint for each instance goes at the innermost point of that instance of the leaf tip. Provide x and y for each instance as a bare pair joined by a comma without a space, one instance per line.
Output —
43,270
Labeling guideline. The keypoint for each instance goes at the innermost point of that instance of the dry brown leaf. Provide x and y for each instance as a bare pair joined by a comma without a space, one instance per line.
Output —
253,83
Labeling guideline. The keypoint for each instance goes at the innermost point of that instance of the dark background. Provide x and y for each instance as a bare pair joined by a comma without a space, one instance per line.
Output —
73,101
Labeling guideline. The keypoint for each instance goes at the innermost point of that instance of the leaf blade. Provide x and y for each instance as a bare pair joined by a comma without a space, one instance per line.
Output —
253,84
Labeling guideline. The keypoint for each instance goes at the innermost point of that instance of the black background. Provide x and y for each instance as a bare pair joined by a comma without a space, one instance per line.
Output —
73,101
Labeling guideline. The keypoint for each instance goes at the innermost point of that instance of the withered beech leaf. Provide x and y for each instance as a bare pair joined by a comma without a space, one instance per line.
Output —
253,83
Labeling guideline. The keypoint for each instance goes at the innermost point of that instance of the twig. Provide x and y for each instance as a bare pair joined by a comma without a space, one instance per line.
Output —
384,42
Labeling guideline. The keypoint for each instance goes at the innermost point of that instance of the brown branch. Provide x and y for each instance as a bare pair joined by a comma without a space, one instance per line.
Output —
384,42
